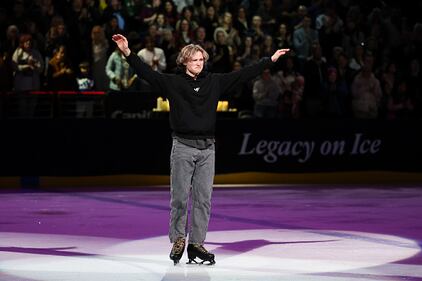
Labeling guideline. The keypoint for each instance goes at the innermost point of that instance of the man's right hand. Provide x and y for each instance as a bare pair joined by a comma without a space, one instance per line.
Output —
122,43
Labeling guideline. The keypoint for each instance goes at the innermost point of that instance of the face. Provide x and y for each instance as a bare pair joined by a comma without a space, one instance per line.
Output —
221,38
332,76
227,18
210,11
27,45
184,25
256,21
168,6
266,74
60,54
237,66
160,19
195,64
241,13
283,28
200,33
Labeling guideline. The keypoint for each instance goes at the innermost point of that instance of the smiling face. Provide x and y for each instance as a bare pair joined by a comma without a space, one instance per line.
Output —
195,64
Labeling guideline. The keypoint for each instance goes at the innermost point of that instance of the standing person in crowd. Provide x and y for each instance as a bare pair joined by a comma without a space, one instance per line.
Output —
121,75
99,54
366,91
11,42
6,73
303,39
60,75
193,96
84,77
266,93
27,64
222,55
153,56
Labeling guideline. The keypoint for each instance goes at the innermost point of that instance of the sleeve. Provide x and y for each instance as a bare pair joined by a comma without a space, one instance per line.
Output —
230,80
162,64
39,62
110,67
143,70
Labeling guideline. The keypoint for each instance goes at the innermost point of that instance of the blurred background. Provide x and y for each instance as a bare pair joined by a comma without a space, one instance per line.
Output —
344,106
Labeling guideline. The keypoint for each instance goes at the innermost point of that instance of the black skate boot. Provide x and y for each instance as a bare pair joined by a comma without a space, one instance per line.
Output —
177,250
198,251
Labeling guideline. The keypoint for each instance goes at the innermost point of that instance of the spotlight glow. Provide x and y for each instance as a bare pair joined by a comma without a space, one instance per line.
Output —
267,254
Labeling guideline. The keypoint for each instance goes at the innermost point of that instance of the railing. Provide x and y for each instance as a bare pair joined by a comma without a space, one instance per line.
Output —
85,104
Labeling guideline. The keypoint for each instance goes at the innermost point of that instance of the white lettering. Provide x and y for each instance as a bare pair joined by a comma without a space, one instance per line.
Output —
332,148
272,150
365,146
245,144
271,157
356,144
119,114
309,150
261,147
375,147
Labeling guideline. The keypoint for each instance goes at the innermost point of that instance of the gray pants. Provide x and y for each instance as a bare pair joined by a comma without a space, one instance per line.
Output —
192,172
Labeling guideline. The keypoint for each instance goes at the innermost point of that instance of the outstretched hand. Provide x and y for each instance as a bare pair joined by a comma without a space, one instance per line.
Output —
122,43
278,54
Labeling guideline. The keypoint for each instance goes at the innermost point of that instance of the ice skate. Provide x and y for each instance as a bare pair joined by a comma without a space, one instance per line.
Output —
198,251
177,250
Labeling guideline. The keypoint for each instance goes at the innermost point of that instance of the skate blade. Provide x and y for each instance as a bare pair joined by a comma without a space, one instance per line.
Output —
204,262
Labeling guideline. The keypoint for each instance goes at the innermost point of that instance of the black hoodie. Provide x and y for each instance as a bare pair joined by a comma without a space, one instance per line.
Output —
193,102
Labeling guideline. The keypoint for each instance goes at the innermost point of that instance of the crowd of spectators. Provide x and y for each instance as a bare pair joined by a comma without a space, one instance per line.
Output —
348,58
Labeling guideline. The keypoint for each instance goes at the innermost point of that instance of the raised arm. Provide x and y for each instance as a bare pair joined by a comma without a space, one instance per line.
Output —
232,79
122,43
277,54
142,69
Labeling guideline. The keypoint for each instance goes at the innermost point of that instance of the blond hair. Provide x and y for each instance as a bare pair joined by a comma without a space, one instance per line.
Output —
188,51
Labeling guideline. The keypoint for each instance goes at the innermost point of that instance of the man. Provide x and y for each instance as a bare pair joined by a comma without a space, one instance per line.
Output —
193,96
153,56
266,93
